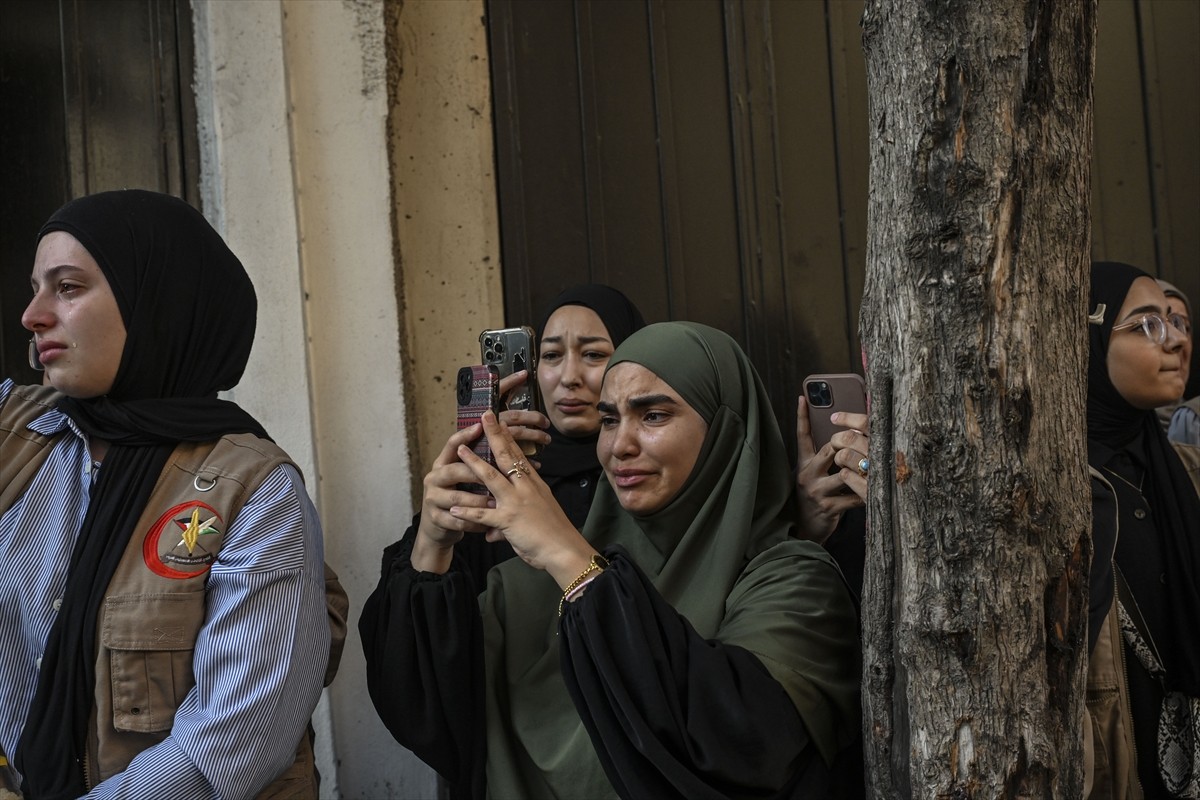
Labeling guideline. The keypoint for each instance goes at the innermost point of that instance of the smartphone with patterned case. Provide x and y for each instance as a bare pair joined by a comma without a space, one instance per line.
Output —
477,390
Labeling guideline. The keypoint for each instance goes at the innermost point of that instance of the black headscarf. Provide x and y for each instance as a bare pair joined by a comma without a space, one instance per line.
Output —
189,311
570,455
1115,425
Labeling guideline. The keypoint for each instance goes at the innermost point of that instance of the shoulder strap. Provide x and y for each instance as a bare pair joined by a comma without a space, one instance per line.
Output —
22,451
1134,628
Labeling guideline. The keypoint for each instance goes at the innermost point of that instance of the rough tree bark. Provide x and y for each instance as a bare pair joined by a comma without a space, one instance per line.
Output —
974,323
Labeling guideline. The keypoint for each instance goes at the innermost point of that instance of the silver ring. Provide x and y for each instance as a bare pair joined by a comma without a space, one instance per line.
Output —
864,464
211,483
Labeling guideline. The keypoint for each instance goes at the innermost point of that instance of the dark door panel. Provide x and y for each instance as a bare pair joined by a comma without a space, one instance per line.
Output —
709,158
96,95
696,156
35,178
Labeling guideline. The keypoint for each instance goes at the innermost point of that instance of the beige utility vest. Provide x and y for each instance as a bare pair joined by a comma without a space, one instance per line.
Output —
154,606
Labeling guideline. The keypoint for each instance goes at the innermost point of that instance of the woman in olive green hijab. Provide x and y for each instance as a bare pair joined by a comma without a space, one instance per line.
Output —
684,645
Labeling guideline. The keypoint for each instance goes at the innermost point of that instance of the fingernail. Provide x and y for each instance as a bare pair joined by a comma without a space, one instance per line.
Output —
835,417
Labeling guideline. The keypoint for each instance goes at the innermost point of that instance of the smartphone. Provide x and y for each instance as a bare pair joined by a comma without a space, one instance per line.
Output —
827,394
511,350
477,390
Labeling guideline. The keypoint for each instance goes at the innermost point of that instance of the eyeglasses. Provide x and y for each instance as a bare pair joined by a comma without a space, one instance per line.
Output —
1155,327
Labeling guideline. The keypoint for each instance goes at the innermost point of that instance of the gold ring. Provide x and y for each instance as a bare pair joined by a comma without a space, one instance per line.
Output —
863,465
519,466
513,471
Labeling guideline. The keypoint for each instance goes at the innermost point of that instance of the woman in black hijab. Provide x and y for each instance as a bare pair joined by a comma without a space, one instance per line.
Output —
140,316
1146,516
577,334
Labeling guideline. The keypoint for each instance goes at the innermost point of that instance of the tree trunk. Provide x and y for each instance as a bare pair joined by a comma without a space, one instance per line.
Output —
974,322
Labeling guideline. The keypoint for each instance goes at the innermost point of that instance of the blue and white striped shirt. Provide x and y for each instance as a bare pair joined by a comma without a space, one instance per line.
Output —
259,660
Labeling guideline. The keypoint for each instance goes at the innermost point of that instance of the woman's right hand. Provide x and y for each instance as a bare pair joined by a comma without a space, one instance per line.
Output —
438,532
528,428
524,511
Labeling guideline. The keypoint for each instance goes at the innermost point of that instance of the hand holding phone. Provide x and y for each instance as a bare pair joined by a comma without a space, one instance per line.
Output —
828,394
511,350
824,489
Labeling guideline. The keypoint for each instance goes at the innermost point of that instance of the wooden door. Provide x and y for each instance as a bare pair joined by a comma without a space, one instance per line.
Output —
708,158
705,157
96,95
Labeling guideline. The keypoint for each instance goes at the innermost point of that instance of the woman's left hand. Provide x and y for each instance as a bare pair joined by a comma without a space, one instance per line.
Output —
525,511
527,427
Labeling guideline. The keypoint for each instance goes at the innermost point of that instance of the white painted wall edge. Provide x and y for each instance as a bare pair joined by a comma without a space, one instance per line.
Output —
247,192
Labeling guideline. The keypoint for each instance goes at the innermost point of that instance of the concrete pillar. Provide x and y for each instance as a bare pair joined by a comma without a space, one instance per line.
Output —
347,159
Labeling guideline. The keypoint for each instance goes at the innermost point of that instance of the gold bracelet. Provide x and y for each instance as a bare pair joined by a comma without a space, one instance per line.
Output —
598,562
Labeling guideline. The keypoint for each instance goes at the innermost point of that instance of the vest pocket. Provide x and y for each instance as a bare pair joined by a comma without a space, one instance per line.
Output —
150,638
1104,711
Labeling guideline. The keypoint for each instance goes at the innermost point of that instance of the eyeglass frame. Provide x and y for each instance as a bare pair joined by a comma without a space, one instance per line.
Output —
1175,320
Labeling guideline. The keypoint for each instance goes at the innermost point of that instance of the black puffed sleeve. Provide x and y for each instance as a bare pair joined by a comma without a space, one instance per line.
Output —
423,642
672,714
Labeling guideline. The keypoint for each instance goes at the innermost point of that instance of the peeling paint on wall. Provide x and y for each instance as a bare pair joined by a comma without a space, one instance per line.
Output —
371,45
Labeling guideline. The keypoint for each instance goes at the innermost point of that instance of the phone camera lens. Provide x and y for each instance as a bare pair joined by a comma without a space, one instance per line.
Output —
499,348
819,394
489,355
464,386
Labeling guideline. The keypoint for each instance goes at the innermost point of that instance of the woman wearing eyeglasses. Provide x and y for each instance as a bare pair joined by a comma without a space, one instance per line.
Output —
1145,592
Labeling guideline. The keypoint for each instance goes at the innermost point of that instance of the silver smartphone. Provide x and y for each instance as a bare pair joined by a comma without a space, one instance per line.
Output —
511,350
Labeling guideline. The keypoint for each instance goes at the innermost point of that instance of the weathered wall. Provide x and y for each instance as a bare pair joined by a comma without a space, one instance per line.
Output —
247,190
338,108
361,199
445,200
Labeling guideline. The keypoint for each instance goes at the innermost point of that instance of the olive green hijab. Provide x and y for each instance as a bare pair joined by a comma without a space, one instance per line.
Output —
726,537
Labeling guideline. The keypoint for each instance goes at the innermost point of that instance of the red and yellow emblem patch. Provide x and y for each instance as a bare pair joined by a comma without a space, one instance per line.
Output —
183,542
